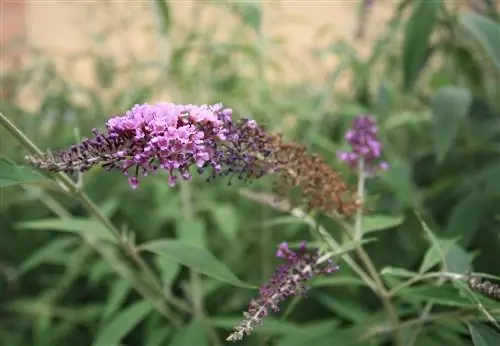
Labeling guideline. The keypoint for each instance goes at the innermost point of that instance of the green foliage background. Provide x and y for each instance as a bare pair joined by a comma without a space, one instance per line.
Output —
436,96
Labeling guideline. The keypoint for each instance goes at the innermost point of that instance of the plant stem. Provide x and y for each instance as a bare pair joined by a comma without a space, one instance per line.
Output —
66,182
194,277
357,235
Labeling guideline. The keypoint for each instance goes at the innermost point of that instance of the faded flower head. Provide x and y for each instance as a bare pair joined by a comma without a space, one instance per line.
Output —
165,136
363,139
288,280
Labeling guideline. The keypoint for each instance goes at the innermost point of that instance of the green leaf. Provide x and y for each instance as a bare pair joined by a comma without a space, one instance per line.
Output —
418,32
164,15
372,223
195,258
468,214
226,217
118,293
193,334
483,335
249,12
84,227
456,260
52,249
12,174
486,32
442,295
437,251
344,308
122,324
450,105
192,232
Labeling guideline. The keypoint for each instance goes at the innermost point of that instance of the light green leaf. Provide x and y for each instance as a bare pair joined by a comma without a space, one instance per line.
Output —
450,105
192,232
273,326
486,32
372,223
226,217
195,258
193,334
249,11
122,324
418,32
51,250
12,174
483,335
82,226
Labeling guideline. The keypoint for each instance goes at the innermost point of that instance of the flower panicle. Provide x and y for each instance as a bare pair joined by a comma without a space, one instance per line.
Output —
365,145
288,280
174,138
484,287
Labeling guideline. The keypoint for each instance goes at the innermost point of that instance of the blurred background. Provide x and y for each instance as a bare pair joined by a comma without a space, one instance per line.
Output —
429,71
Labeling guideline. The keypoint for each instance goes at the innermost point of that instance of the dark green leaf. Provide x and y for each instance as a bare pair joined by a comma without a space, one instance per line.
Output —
418,32
122,324
483,335
13,174
195,258
82,226
450,105
53,249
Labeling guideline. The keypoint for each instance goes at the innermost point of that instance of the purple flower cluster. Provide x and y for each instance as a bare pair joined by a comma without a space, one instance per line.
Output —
170,137
362,138
288,280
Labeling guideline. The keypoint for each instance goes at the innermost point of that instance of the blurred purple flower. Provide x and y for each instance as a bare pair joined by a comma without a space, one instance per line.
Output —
288,280
363,139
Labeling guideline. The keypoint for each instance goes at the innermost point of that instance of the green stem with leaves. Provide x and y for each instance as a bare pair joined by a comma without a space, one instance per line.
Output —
147,283
357,234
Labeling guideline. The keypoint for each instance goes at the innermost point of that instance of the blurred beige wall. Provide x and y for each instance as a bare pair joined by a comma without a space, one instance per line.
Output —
63,27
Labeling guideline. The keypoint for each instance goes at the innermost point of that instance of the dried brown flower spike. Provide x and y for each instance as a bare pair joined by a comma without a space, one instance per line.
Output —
484,287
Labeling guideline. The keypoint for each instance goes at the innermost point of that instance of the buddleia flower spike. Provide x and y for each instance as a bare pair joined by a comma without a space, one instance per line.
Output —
288,280
484,287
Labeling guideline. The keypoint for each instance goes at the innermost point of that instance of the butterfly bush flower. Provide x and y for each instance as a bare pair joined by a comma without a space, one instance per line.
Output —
363,139
165,136
176,138
288,280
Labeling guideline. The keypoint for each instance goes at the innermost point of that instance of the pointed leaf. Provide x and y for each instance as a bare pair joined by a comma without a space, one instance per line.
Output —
46,252
450,105
122,324
13,174
483,335
372,223
82,226
418,32
193,334
486,32
195,258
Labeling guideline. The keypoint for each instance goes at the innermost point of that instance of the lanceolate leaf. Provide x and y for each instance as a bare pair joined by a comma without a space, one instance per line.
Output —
13,174
416,41
450,106
195,258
